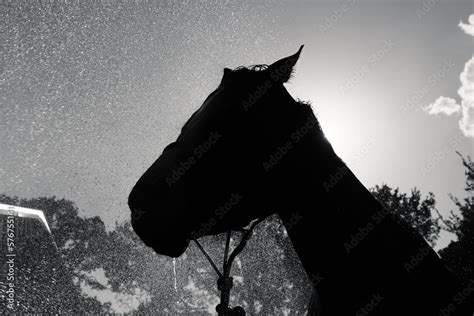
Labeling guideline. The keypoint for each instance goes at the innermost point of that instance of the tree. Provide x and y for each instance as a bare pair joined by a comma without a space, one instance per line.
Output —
459,255
135,269
78,240
268,276
412,208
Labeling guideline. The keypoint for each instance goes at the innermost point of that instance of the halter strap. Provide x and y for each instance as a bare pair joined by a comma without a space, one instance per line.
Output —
225,282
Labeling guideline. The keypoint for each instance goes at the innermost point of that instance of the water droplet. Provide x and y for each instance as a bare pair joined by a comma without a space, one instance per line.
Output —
174,273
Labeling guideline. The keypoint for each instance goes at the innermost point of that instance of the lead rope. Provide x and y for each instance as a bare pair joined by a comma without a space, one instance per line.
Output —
225,281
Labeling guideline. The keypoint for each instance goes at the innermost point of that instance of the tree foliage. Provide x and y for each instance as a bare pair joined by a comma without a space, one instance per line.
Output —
459,255
412,208
79,240
269,278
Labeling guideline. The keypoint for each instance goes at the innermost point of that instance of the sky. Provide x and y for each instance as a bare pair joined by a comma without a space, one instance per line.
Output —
91,93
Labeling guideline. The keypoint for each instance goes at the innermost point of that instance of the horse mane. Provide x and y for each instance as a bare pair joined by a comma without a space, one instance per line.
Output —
306,112
304,106
254,68
260,68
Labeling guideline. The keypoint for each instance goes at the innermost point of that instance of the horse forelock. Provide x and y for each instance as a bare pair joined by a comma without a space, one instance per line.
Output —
255,68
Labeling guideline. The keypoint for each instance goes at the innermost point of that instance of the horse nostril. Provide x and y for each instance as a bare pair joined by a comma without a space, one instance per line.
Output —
174,248
168,241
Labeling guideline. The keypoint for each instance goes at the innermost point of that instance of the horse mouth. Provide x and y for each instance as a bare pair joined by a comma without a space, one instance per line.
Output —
165,239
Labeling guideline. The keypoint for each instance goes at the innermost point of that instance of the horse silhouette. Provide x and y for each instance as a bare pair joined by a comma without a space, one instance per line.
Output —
250,151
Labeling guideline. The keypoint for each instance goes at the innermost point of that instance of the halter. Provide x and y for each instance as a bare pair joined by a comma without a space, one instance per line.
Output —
225,281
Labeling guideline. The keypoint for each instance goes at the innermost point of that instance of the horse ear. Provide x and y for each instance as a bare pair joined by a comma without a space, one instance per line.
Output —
226,77
281,70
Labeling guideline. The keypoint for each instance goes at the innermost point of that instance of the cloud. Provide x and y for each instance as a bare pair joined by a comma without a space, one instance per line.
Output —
443,105
467,122
466,92
468,28
450,106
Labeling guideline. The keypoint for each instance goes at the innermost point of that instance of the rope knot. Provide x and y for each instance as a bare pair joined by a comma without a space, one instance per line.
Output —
226,311
225,284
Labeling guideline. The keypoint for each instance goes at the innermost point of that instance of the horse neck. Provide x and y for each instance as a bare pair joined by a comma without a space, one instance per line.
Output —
328,206
326,202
